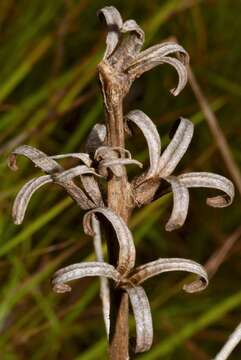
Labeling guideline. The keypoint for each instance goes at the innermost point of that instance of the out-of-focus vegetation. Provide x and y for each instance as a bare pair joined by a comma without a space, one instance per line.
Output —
49,98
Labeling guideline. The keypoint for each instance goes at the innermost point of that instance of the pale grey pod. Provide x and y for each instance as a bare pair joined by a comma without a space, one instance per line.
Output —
176,149
85,158
143,318
39,158
23,197
144,272
114,24
127,253
150,132
180,204
157,55
80,270
96,138
74,172
233,340
210,180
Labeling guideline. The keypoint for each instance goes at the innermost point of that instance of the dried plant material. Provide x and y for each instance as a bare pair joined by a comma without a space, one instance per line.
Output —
144,272
127,251
74,172
106,156
24,196
176,149
92,188
210,180
130,45
233,341
123,52
143,318
39,158
96,138
53,169
180,204
85,158
116,166
150,132
80,270
114,23
157,55
104,283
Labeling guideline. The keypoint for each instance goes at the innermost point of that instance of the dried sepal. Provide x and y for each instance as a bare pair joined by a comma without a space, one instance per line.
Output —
180,204
39,158
233,340
143,318
114,23
144,272
176,149
80,270
23,197
96,138
210,180
156,55
150,132
127,253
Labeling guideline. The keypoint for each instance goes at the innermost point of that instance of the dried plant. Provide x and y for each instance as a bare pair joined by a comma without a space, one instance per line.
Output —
231,343
111,206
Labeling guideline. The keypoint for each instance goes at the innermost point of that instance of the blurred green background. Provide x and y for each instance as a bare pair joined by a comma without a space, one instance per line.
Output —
49,98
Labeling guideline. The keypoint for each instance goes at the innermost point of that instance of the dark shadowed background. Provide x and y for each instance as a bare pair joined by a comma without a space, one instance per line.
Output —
49,98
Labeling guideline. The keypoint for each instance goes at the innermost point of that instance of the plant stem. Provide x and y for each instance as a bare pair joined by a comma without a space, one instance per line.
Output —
118,198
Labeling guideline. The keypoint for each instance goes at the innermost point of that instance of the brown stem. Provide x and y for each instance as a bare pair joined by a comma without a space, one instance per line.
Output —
113,89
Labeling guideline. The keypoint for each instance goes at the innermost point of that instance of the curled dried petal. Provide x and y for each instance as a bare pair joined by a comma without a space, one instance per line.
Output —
157,55
143,318
39,158
81,156
96,138
114,24
80,270
176,149
23,197
231,343
210,180
159,266
150,132
180,204
73,172
126,260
